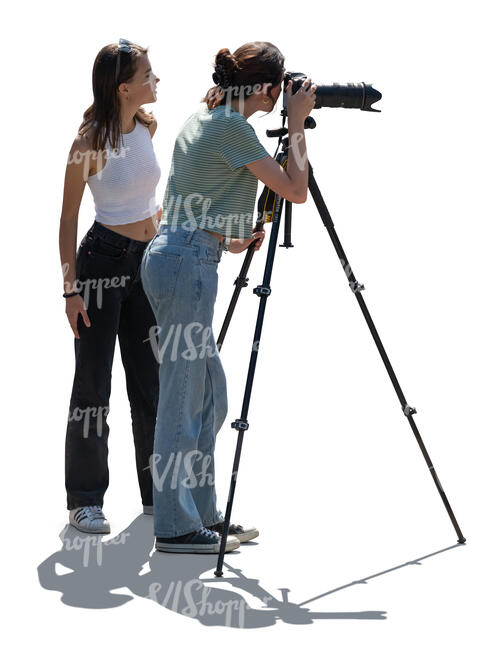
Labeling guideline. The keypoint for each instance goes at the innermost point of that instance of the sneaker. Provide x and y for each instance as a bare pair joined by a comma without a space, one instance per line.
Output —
243,533
147,510
199,541
89,519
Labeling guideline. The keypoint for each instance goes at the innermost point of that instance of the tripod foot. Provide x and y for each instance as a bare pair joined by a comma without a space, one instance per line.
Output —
218,574
461,540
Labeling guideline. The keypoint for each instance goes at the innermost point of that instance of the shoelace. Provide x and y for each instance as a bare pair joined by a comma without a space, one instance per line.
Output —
209,533
93,512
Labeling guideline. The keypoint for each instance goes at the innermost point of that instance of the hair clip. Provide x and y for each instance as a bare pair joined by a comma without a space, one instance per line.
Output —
220,77
124,46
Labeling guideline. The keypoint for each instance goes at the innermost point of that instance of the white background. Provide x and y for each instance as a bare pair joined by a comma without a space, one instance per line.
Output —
330,471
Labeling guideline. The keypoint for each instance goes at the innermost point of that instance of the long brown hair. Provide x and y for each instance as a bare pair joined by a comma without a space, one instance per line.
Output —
257,62
104,112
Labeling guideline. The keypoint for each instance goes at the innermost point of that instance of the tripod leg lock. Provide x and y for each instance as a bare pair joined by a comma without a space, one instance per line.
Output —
409,410
240,425
260,290
241,282
356,286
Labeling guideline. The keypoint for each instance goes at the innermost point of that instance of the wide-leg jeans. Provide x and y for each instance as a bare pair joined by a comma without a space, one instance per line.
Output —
107,267
179,276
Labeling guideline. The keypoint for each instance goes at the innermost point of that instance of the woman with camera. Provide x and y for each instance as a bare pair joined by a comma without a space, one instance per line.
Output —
112,153
207,209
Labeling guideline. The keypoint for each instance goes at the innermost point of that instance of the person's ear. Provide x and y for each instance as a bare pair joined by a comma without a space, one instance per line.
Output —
123,90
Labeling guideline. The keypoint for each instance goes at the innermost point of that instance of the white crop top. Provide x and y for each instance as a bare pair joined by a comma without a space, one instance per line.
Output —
124,190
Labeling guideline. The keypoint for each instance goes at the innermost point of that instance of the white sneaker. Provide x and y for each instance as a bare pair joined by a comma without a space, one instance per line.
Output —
89,519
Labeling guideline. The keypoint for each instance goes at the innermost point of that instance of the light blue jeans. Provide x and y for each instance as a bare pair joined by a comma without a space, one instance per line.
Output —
179,277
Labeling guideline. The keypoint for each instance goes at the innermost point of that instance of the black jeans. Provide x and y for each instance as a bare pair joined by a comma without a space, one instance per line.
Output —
108,268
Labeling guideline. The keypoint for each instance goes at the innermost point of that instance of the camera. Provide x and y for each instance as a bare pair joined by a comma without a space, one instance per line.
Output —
358,95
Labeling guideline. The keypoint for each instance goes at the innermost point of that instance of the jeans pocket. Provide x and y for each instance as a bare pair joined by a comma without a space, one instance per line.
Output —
102,248
212,257
159,273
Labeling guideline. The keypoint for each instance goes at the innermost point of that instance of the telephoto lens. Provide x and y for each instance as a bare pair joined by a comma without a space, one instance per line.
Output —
350,95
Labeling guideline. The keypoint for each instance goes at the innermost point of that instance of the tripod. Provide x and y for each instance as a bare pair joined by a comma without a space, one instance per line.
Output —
272,204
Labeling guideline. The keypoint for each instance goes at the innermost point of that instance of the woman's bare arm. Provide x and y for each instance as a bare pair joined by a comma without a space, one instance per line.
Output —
291,182
76,175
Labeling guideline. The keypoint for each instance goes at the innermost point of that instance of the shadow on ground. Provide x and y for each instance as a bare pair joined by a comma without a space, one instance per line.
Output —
88,569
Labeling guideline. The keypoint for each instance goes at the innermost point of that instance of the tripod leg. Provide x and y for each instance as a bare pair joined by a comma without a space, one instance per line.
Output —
240,282
356,288
230,502
262,291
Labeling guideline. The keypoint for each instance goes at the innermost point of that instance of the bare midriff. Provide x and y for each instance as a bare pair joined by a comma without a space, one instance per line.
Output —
141,230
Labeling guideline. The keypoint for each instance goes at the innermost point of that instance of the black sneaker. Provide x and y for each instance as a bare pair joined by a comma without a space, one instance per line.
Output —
199,541
243,533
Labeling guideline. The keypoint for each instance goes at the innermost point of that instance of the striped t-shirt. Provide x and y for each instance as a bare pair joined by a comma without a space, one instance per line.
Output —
209,185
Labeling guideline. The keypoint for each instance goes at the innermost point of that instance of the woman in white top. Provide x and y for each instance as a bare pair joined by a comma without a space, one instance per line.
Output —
112,153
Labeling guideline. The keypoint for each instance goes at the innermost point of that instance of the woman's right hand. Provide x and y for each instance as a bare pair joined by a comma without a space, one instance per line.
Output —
300,104
73,307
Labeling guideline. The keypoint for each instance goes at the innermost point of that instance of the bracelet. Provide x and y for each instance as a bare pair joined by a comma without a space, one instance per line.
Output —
226,243
69,295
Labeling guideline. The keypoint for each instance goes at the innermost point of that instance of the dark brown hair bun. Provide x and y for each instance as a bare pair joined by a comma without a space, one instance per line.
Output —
257,62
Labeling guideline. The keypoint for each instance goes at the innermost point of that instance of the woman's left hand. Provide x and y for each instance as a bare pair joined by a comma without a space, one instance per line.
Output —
239,245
